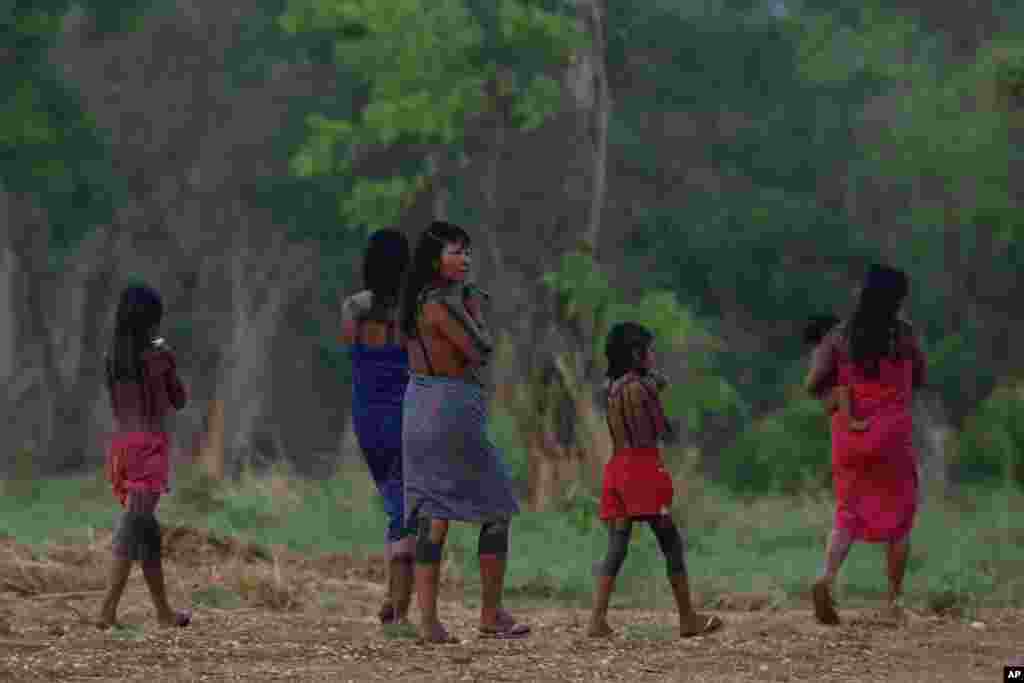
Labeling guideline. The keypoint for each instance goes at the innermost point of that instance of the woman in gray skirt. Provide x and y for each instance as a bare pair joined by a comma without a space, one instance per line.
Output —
452,471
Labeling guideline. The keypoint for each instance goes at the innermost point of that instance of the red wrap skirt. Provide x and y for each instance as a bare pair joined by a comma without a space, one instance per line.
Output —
138,461
635,484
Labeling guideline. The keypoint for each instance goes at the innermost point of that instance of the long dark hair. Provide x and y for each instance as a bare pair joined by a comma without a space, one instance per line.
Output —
138,315
875,328
426,267
817,327
625,341
385,264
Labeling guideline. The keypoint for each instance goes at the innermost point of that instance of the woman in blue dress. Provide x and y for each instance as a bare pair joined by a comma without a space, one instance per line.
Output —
380,374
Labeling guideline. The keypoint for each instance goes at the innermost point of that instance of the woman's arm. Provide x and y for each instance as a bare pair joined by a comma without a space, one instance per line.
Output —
353,308
439,317
824,364
175,387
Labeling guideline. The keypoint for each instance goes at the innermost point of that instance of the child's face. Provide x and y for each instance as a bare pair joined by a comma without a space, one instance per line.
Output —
456,260
645,358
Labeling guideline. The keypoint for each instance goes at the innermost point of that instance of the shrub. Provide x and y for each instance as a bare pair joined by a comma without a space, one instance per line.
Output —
785,452
991,446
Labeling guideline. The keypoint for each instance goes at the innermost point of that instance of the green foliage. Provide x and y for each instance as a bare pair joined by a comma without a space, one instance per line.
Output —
991,446
428,67
590,301
954,125
502,431
785,452
49,147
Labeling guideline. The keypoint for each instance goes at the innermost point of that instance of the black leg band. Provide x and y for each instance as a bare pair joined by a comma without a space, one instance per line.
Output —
618,546
494,538
671,543
427,552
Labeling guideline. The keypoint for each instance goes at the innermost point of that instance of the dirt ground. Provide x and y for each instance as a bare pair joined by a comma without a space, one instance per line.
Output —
302,619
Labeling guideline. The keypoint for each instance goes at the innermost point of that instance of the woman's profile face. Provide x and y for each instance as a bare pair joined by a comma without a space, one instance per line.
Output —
456,260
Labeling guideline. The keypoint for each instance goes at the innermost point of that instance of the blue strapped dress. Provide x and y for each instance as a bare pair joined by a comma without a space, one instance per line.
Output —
380,375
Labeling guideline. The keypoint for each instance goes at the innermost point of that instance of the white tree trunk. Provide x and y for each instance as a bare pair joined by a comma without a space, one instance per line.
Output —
588,82
261,283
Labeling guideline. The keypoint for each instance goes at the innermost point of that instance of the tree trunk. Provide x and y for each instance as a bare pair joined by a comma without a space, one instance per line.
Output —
596,97
8,322
258,301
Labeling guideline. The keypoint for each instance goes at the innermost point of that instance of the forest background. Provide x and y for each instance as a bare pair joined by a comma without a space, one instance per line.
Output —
719,170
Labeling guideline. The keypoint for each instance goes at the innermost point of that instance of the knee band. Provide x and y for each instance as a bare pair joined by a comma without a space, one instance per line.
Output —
672,546
427,552
618,546
494,538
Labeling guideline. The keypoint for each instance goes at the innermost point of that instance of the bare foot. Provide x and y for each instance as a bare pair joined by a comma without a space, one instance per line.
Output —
824,607
434,632
599,628
698,625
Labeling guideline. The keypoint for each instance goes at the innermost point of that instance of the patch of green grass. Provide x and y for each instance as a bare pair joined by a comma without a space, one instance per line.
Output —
966,552
127,632
400,631
660,632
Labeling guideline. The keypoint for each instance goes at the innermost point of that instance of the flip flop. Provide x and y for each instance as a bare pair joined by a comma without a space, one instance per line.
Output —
445,639
387,614
824,607
509,630
182,618
711,625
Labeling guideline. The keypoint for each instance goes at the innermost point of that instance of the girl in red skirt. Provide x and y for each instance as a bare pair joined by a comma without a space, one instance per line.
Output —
636,486
144,389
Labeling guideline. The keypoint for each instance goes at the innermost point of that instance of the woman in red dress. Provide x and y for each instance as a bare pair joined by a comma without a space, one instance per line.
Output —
874,470
636,486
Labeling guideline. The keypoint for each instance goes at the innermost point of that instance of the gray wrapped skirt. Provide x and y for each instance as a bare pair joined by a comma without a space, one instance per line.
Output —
452,470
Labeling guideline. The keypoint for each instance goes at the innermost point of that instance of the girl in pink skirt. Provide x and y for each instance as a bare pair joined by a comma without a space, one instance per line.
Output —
144,389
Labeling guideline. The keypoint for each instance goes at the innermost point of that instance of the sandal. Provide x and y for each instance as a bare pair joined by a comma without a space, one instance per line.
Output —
439,636
182,619
505,628
824,606
711,624
387,614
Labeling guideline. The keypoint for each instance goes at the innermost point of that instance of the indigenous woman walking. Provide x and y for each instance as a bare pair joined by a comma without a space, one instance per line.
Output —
144,389
452,470
380,373
636,486
874,471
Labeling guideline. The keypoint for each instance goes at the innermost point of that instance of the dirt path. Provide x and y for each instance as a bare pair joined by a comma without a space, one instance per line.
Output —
47,637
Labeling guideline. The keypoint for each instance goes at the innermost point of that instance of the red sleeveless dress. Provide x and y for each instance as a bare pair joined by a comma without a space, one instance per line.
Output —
874,473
